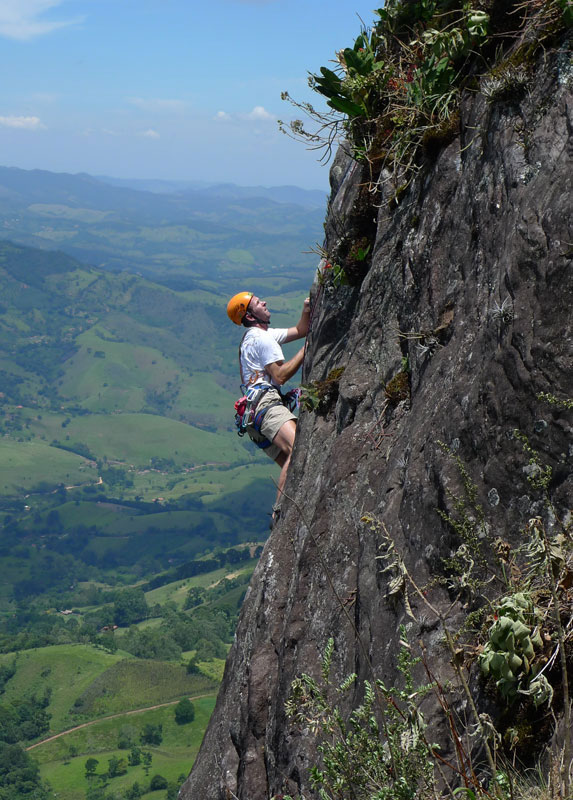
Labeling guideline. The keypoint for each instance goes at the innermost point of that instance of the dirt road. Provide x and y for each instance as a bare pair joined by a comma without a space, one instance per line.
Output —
114,716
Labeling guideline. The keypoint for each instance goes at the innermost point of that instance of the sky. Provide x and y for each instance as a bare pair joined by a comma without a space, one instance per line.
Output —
167,89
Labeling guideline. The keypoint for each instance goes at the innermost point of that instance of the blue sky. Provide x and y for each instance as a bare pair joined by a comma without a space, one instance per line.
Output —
172,89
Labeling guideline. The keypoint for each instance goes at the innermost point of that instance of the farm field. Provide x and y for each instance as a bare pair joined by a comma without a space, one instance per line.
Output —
130,438
65,670
85,682
62,761
24,465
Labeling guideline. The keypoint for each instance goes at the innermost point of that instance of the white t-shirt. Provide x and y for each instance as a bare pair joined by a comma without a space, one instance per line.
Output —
258,349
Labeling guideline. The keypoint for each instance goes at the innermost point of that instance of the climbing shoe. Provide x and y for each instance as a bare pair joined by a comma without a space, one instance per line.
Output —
275,515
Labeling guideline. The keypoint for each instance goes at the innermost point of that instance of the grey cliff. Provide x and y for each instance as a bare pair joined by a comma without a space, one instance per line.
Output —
470,280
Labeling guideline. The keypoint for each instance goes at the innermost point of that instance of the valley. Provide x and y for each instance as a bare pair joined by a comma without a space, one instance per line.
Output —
131,515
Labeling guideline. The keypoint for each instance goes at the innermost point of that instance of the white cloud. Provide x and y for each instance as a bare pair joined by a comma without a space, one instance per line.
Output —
19,19
150,134
259,113
158,105
26,123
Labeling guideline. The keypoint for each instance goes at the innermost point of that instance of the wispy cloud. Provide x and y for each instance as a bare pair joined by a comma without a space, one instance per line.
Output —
20,19
158,105
25,123
258,114
150,134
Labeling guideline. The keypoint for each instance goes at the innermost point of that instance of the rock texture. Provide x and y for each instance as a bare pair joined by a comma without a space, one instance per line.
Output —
471,280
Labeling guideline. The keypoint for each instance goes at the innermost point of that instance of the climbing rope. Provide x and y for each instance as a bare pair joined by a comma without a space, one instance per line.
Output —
313,308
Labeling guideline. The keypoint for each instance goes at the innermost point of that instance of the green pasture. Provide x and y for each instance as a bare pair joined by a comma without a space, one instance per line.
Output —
214,669
25,464
13,323
102,366
136,683
224,463
176,592
210,483
229,601
175,234
201,396
172,758
104,515
135,438
237,479
68,670
114,519
154,622
73,282
184,544
148,544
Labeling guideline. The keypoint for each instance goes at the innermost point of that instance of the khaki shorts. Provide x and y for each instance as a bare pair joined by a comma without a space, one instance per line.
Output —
273,421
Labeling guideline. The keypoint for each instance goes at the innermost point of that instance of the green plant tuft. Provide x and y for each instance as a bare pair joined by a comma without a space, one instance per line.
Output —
320,396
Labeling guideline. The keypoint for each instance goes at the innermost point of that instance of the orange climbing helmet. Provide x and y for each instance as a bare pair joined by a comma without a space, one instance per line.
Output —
237,306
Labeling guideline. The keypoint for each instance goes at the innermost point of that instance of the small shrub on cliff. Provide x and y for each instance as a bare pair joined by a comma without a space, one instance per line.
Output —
380,752
320,396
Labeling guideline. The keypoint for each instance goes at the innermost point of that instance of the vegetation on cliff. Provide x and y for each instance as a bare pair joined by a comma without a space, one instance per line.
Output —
394,95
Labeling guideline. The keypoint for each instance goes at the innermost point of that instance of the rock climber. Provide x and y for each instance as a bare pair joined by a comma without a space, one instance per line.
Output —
266,418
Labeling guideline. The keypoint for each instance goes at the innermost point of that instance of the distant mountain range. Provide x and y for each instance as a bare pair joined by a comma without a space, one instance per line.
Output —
179,237
307,198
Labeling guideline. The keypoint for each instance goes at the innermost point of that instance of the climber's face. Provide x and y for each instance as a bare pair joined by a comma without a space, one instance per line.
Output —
258,309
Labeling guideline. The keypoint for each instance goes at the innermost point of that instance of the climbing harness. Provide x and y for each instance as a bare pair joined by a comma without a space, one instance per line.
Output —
246,414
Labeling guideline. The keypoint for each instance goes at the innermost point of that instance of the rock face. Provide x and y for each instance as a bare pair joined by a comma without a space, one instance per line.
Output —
470,279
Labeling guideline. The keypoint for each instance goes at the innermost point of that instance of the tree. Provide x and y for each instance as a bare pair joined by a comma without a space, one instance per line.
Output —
195,596
117,766
184,712
108,642
147,759
172,791
91,766
192,667
152,734
157,782
135,792
19,774
134,758
126,737
130,606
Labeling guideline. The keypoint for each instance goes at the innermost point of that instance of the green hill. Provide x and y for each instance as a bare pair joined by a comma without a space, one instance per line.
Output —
183,238
84,683
109,368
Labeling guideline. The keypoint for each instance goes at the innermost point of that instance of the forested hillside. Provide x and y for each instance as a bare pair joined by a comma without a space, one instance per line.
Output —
131,515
